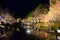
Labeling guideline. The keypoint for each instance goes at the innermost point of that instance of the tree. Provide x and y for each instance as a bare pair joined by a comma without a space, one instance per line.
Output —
52,2
40,9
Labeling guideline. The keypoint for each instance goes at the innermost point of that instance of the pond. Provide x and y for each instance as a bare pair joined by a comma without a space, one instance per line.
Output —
53,36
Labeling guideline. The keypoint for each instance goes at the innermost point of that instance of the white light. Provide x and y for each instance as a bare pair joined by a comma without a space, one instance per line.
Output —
28,31
58,31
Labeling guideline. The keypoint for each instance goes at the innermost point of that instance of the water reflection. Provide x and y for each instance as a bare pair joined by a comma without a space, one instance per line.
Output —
53,36
58,37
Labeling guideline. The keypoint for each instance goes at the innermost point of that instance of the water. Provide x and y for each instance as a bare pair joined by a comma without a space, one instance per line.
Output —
53,36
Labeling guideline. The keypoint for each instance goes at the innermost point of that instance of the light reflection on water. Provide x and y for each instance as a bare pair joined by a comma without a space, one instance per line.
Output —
58,37
53,37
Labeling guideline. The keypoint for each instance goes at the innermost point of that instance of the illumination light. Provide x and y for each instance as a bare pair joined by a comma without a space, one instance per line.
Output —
28,31
58,31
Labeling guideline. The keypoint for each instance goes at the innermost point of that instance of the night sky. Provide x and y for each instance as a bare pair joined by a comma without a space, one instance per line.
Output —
21,8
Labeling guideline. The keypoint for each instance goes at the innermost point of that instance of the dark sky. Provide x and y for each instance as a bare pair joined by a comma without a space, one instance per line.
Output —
21,8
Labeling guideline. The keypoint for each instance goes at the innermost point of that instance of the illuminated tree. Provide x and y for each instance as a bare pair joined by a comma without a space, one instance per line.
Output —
7,16
52,2
40,9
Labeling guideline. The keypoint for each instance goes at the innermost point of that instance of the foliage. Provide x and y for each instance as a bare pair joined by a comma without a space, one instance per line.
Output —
52,2
44,8
41,8
43,28
28,15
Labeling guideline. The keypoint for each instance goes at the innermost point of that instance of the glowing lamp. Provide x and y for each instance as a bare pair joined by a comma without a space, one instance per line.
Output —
28,31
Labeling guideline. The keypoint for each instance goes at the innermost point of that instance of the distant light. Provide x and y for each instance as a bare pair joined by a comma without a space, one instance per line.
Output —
28,31
58,31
